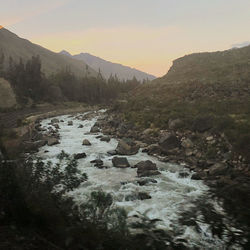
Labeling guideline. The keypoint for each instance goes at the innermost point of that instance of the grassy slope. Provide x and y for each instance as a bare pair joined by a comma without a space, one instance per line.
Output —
215,85
16,47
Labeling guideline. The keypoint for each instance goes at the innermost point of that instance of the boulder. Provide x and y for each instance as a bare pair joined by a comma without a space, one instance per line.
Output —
86,142
144,196
55,120
127,147
79,156
105,138
80,126
146,168
218,169
209,138
70,123
198,176
56,126
169,142
187,143
52,141
174,124
94,129
137,196
98,163
123,128
153,149
148,131
112,152
120,162
146,181
131,197
183,174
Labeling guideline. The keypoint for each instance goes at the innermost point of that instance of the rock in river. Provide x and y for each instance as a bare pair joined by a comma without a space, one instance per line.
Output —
55,120
80,156
86,142
53,141
146,168
112,152
105,138
120,162
94,129
127,147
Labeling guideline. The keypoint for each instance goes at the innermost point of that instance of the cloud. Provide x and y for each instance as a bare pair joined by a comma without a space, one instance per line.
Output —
11,18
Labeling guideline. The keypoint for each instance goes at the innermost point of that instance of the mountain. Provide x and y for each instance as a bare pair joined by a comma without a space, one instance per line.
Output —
208,67
16,47
107,68
201,88
241,45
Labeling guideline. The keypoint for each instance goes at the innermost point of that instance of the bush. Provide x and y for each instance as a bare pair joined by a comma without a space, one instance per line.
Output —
30,198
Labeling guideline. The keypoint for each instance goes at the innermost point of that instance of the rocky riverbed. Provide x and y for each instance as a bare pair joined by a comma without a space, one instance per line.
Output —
140,183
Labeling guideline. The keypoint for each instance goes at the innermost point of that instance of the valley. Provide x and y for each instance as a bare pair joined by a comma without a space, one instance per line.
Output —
92,161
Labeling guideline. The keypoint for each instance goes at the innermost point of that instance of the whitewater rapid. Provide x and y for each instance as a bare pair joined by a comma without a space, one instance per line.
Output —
171,195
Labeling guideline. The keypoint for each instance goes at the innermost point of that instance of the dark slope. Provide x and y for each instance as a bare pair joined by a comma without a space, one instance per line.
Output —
16,47
107,68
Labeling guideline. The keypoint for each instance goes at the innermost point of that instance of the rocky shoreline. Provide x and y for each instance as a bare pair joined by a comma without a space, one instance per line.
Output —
209,155
28,137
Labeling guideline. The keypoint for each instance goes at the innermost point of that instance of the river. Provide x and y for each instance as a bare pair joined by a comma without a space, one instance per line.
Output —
171,195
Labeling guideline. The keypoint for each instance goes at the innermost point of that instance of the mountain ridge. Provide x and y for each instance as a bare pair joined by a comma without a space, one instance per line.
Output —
107,67
16,47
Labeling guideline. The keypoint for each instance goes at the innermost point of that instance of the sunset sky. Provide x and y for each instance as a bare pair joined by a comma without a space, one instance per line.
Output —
145,34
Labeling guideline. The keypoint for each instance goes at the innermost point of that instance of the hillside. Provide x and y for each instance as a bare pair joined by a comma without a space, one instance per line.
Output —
213,87
229,65
107,68
16,47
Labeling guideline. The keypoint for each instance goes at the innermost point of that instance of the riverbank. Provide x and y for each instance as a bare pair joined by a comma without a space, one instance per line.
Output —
234,193
19,132
209,154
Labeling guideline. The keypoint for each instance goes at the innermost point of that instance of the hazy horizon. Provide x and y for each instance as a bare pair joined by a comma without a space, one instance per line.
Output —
146,35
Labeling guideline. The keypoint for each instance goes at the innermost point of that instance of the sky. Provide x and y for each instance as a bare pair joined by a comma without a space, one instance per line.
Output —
144,34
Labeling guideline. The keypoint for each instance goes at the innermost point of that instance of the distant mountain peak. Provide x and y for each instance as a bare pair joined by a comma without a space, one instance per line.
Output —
64,52
1,27
108,68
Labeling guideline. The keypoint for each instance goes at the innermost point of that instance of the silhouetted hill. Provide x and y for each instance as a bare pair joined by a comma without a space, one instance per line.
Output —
211,86
16,47
107,68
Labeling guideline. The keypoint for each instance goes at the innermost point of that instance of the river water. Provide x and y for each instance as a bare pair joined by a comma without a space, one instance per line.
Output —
171,195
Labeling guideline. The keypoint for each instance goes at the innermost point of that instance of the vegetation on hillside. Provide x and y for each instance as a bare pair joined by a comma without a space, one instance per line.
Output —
16,47
224,102
30,84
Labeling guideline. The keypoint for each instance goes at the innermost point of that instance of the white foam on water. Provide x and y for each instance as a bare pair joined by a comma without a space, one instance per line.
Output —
170,195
